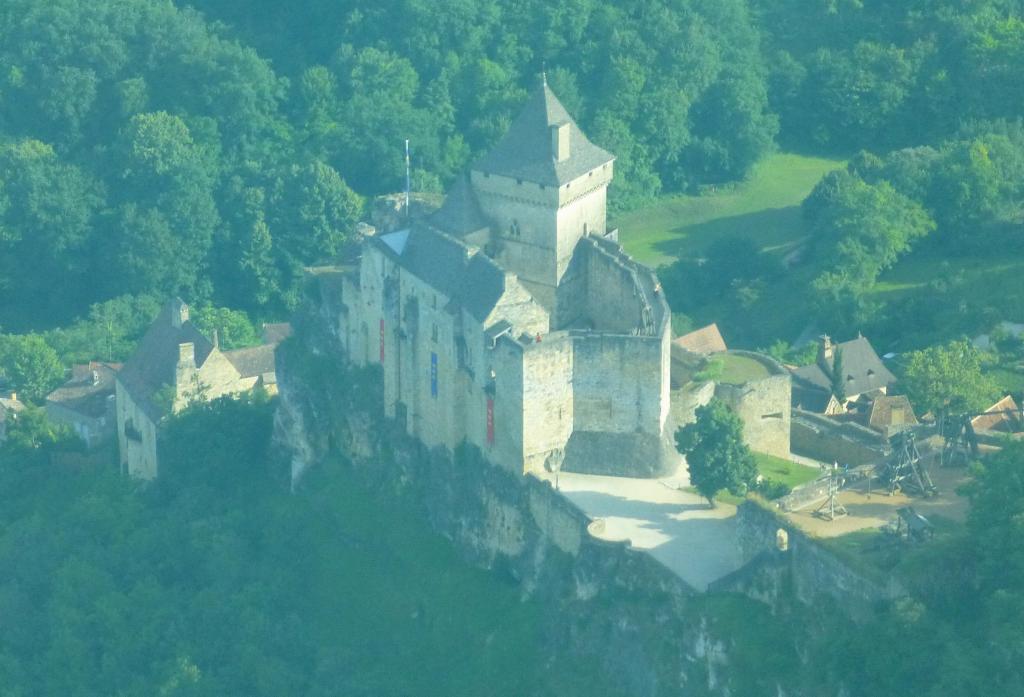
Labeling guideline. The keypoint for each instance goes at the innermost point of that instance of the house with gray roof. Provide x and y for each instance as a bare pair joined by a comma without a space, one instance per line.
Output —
510,318
86,402
174,365
862,373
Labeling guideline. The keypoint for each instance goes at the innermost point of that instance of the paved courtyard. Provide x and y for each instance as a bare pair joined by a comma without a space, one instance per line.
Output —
676,527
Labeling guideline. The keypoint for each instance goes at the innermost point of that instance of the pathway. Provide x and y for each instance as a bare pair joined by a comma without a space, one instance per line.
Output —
676,527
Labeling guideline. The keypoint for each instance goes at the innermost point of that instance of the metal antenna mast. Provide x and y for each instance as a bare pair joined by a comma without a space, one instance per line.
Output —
408,179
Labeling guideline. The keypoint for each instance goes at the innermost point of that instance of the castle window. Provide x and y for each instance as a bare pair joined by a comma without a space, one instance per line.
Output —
433,333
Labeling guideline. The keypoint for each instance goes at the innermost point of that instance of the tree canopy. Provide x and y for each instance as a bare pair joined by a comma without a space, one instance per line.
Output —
715,452
947,379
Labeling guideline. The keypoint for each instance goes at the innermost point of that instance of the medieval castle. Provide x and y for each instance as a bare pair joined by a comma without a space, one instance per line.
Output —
512,319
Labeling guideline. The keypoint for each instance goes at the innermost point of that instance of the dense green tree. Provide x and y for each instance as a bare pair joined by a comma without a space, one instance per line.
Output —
109,332
947,379
715,452
48,212
859,230
32,437
996,523
838,376
30,364
313,212
233,327
965,190
168,215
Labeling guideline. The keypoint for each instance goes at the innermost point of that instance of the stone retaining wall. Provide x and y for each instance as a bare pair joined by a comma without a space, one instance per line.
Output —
806,568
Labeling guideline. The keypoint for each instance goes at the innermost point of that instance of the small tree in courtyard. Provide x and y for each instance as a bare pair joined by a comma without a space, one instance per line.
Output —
715,452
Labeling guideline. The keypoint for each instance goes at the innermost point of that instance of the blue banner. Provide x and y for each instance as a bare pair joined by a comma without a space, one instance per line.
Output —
433,375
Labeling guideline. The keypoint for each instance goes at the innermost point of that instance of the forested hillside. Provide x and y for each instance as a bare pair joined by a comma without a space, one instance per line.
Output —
146,149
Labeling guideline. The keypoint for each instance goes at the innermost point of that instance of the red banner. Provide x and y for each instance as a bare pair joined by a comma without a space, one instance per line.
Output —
490,421
382,341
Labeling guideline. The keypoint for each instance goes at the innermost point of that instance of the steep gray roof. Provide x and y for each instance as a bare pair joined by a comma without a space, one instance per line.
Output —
524,152
82,395
153,364
252,361
460,213
863,370
468,278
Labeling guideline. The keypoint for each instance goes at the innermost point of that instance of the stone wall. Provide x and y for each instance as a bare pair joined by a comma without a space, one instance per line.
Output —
136,436
613,300
547,401
617,415
824,439
764,406
806,569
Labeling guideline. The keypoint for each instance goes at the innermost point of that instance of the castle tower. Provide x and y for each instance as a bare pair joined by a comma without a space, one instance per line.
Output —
542,187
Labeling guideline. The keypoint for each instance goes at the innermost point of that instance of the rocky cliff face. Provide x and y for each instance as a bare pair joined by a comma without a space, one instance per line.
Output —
651,634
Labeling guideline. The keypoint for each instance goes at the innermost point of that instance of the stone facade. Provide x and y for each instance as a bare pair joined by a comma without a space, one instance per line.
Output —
764,405
510,319
173,366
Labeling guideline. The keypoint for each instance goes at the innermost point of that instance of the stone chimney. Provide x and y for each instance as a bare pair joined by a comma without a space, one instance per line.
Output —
560,142
179,312
826,350
216,339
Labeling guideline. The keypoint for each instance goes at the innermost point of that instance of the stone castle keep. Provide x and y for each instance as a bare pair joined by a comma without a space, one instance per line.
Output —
512,319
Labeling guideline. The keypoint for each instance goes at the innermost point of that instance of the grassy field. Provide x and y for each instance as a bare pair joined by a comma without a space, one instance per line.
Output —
766,206
780,470
737,370
770,467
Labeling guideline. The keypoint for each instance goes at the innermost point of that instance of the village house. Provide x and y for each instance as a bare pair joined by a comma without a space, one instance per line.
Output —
86,402
863,374
174,365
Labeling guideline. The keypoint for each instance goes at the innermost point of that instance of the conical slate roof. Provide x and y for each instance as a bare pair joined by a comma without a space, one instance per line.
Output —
525,151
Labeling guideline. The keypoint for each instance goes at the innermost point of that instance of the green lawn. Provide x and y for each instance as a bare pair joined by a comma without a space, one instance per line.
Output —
770,467
737,370
765,206
780,470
